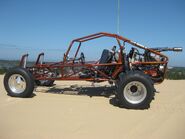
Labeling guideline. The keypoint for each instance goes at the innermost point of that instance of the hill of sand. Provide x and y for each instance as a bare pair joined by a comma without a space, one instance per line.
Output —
86,112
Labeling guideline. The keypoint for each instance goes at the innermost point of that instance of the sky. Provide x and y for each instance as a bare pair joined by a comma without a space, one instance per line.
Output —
33,26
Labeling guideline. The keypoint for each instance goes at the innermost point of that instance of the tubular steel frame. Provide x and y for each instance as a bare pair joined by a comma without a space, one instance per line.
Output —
39,65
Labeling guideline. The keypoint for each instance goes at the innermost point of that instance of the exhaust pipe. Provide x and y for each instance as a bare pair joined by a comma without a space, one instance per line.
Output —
177,49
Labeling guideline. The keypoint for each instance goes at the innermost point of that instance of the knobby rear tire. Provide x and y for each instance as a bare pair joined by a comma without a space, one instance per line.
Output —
134,90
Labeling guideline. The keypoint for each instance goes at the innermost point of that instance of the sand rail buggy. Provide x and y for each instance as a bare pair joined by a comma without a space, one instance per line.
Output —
133,73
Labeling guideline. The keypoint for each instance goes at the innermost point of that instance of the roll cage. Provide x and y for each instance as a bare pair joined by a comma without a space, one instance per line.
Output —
69,69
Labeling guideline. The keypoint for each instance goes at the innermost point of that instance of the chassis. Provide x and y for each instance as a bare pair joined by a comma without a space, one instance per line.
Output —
133,73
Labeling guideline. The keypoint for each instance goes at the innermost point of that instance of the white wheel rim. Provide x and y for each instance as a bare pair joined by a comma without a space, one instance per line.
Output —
17,83
135,92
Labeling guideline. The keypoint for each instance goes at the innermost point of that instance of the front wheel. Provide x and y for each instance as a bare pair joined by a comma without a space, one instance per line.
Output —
19,82
135,90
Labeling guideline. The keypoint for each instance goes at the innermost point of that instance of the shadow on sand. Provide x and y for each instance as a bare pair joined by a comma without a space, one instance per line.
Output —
102,91
91,91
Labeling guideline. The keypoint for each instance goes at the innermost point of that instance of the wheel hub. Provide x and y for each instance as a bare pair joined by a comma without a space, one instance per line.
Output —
17,83
133,89
135,92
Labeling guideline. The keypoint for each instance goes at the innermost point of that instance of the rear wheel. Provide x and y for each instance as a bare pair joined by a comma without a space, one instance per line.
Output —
19,82
135,90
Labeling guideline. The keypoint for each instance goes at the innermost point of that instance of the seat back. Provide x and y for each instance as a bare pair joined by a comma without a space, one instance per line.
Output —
106,57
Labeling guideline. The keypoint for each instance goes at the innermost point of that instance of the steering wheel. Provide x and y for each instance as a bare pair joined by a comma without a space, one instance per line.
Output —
82,58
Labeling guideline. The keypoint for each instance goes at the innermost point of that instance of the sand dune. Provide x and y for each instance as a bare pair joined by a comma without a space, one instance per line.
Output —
87,112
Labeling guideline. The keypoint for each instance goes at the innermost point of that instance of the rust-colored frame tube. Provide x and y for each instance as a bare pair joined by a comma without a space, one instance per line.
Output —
65,63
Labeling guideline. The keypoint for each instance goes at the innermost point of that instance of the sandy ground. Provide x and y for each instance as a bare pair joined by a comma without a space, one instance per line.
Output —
54,114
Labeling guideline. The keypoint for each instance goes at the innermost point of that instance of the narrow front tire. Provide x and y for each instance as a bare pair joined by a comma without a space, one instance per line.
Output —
19,82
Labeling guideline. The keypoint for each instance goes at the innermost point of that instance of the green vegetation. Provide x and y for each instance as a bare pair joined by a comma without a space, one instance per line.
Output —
2,70
6,64
176,73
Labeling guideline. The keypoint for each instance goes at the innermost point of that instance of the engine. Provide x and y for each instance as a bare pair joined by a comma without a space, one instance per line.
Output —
135,58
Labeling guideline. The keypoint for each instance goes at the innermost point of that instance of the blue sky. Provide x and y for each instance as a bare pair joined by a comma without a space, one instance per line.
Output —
33,26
